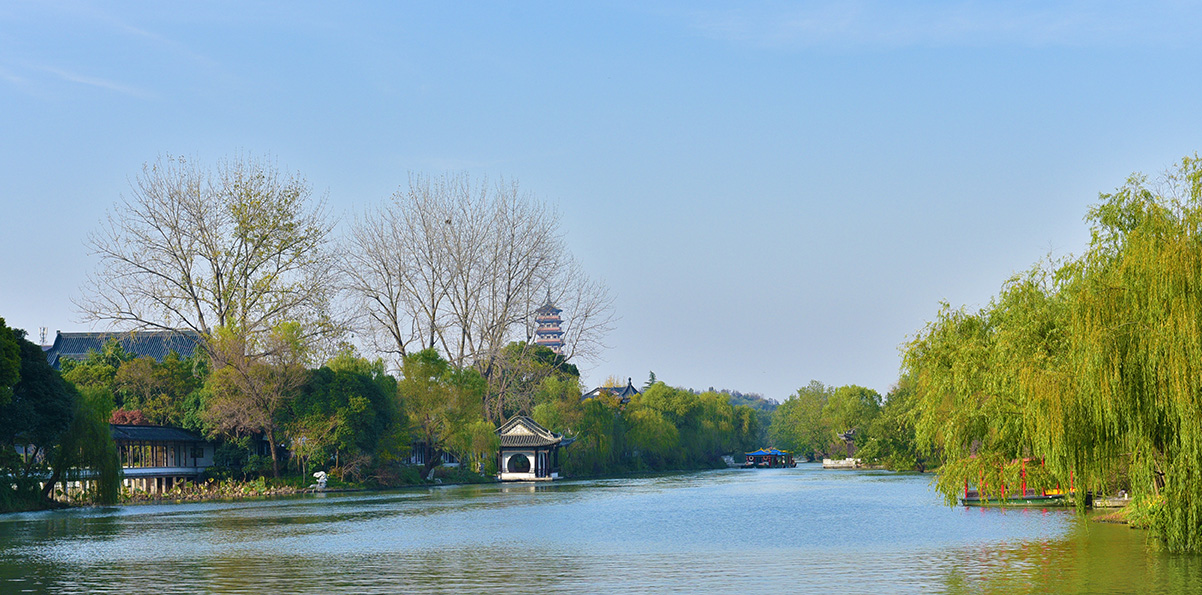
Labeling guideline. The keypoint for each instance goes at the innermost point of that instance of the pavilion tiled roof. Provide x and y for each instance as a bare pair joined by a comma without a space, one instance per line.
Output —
526,441
156,344
523,431
153,434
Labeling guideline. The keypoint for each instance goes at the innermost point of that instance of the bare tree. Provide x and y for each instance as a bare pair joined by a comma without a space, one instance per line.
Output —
396,269
523,253
377,268
589,311
240,246
462,267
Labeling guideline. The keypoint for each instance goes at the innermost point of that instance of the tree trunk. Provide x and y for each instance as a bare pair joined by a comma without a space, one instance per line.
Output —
432,461
31,459
49,487
275,456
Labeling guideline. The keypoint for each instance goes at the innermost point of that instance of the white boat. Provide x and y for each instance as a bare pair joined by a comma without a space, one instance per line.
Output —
1119,501
840,463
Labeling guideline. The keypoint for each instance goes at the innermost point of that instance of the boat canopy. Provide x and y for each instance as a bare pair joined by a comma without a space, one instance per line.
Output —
767,451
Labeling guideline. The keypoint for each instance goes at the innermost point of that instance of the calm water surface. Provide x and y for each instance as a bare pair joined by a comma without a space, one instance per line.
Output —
733,531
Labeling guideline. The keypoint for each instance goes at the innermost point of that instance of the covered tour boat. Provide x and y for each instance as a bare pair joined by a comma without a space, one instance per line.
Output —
767,458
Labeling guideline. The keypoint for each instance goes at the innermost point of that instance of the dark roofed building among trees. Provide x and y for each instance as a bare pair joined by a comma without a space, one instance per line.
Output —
623,393
155,344
156,458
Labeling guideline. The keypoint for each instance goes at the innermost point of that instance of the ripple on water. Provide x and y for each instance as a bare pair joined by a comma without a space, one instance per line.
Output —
747,531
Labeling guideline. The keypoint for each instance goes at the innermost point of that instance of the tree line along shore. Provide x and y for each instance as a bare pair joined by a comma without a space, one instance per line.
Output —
1083,371
439,284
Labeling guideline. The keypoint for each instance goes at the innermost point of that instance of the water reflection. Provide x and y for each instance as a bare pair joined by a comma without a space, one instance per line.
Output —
754,531
1095,558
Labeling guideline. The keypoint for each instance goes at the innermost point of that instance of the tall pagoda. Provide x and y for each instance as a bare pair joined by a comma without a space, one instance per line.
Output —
548,333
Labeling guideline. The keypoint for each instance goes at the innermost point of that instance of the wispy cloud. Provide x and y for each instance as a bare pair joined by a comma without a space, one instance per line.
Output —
12,77
97,82
884,24
32,78
155,39
35,79
37,48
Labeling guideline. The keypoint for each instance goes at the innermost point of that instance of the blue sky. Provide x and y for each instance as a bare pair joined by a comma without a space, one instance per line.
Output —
775,192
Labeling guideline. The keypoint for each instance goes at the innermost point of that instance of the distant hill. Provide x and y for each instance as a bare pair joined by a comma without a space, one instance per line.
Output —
754,400
762,406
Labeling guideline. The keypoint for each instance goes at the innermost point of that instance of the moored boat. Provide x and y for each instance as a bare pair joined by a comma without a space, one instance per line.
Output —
1024,497
1033,499
769,458
848,463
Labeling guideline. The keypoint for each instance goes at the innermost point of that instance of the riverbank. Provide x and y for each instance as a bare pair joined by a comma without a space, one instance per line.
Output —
233,490
264,487
211,490
1137,515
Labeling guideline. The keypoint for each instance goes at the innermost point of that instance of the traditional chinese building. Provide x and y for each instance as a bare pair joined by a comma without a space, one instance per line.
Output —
155,344
623,393
155,458
529,452
549,334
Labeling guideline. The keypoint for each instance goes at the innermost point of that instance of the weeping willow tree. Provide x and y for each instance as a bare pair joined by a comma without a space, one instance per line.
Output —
1136,324
88,454
50,433
985,385
1092,367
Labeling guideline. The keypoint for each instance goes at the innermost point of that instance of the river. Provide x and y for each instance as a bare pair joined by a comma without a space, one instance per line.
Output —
800,530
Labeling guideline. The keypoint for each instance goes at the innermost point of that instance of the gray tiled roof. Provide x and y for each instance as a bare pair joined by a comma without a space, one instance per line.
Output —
530,434
153,434
156,344
548,308
526,440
